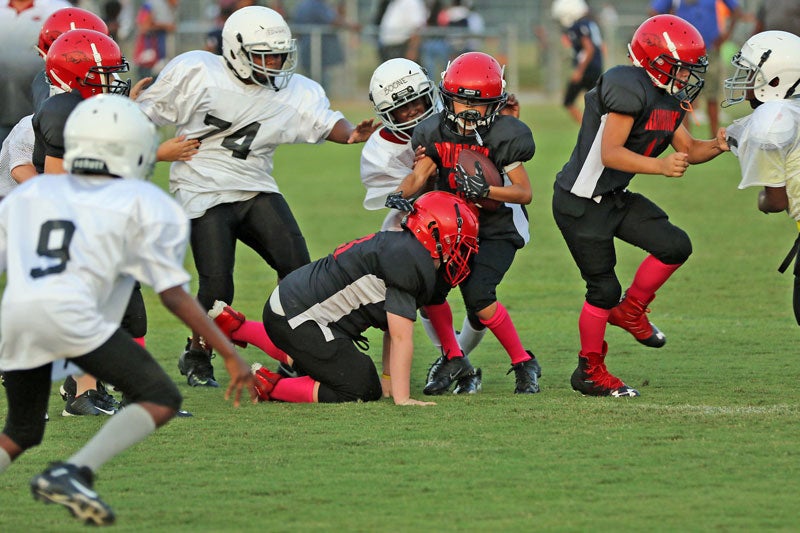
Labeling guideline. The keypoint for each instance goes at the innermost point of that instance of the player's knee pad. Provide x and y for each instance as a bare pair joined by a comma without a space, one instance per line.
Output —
475,322
26,435
159,390
679,250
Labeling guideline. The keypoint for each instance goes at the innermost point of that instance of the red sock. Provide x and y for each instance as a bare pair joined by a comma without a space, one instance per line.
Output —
650,276
503,328
441,317
254,333
139,341
592,328
294,390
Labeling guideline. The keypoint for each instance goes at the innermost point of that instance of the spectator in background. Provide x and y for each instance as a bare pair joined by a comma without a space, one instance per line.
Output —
781,15
461,16
582,35
155,20
214,37
702,14
434,49
399,29
20,22
321,13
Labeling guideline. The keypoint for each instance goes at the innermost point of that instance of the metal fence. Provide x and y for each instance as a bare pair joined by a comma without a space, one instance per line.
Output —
519,32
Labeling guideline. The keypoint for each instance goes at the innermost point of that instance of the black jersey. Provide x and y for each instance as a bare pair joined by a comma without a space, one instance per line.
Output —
353,288
627,90
508,141
48,126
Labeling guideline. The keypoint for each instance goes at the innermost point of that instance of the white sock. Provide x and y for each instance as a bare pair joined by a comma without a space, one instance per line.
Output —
126,428
431,332
5,460
469,338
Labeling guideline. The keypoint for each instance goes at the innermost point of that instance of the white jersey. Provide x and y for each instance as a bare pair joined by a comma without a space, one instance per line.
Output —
72,246
239,125
385,161
767,143
17,150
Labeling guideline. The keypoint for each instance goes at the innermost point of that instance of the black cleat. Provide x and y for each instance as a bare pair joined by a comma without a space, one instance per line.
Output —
70,486
196,366
596,380
90,403
527,374
289,371
444,372
469,384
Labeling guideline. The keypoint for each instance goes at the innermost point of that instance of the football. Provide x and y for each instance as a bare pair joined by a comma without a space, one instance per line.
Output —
467,159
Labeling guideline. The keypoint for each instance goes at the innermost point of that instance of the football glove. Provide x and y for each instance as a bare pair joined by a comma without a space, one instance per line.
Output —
472,187
396,201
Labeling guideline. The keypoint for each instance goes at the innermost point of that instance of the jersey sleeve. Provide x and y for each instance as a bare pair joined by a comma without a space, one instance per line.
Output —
49,123
315,118
20,143
516,146
409,276
766,143
424,135
383,167
161,237
172,98
621,93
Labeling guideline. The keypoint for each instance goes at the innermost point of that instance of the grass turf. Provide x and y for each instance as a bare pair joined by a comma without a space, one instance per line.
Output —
710,445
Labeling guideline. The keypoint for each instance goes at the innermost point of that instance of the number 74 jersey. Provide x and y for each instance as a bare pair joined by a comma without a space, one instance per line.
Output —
239,126
72,247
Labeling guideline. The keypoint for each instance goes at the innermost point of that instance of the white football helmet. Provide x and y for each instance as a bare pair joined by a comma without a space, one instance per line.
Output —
108,134
567,12
249,36
768,65
395,83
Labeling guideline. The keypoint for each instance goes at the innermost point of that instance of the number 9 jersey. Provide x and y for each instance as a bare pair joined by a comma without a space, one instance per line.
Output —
72,246
239,126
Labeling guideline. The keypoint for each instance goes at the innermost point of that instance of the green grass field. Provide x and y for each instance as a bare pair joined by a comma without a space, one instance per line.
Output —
711,445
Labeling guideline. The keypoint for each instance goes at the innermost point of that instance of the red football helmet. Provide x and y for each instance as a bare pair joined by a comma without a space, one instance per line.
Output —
664,45
65,19
448,228
88,62
473,78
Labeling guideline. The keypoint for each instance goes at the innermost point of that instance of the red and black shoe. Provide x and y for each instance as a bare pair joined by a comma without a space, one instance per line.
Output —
631,315
227,319
265,381
592,378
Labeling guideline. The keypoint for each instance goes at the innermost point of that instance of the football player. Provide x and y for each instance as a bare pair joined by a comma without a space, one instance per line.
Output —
473,93
72,246
319,312
241,106
632,115
80,64
767,142
582,34
402,96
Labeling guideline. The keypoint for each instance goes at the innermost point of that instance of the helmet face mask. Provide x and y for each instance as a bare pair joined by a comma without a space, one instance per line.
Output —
448,228
88,62
766,69
258,45
110,135
395,84
673,54
472,79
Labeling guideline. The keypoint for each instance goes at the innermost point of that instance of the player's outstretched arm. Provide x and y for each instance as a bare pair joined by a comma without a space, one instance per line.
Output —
401,352
186,307
698,150
344,132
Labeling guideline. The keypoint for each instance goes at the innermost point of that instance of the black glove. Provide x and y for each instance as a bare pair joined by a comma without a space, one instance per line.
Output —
396,201
472,187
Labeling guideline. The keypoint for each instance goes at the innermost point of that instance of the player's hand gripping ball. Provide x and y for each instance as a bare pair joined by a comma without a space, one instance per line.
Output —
475,173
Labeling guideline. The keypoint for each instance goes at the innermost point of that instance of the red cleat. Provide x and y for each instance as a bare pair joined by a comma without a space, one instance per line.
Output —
227,319
265,381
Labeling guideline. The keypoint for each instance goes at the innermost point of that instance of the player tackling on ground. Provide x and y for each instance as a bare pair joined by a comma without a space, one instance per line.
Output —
72,246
